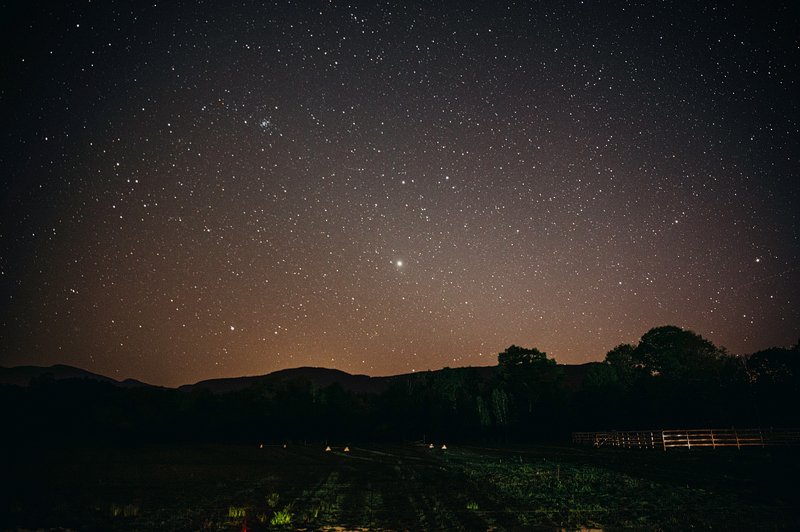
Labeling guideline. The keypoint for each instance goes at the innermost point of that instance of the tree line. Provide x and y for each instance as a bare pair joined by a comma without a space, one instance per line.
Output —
672,378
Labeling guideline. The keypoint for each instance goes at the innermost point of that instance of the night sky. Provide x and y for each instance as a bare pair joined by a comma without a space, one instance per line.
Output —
204,189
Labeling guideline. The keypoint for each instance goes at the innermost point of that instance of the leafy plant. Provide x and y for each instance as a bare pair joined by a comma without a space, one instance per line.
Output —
236,511
272,500
281,517
128,510
472,505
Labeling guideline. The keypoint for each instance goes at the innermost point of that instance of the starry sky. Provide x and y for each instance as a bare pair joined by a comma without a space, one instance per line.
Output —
200,189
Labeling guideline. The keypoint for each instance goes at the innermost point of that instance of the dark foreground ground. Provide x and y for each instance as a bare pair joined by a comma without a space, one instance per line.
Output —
398,487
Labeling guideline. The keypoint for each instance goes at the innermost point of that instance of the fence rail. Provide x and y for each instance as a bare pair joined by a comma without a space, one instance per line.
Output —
689,438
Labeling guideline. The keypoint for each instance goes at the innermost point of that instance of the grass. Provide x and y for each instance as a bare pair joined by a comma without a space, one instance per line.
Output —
398,487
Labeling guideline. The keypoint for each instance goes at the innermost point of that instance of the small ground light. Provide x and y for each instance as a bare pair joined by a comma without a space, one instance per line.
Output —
260,445
430,446
328,448
444,447
347,449
284,446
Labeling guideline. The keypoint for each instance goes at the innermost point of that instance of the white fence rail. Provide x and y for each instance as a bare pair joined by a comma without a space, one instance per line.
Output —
689,438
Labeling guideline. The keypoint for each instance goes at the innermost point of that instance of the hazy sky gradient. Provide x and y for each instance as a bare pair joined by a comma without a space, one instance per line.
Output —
203,190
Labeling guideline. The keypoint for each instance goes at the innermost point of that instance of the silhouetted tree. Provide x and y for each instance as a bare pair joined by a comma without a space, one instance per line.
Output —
675,353
775,365
774,376
621,358
532,382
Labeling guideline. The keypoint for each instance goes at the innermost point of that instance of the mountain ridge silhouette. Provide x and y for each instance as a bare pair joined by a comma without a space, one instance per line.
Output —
318,376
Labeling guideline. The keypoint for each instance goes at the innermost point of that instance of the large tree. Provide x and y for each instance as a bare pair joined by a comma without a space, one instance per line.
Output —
675,353
621,359
530,378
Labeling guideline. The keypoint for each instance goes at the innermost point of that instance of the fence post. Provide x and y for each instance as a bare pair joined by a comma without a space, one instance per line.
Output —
761,436
663,441
688,442
713,442
737,439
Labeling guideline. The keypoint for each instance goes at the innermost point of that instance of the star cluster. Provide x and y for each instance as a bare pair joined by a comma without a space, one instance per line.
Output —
195,190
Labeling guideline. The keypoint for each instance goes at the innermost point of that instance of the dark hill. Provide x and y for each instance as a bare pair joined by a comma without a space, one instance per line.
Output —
322,377
319,377
22,375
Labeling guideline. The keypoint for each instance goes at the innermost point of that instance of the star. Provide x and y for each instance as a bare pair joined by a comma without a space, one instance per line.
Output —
558,179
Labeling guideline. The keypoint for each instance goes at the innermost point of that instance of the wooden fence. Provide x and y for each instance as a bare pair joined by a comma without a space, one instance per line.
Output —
689,438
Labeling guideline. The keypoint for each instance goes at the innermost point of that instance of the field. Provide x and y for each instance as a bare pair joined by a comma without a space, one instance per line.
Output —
397,487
